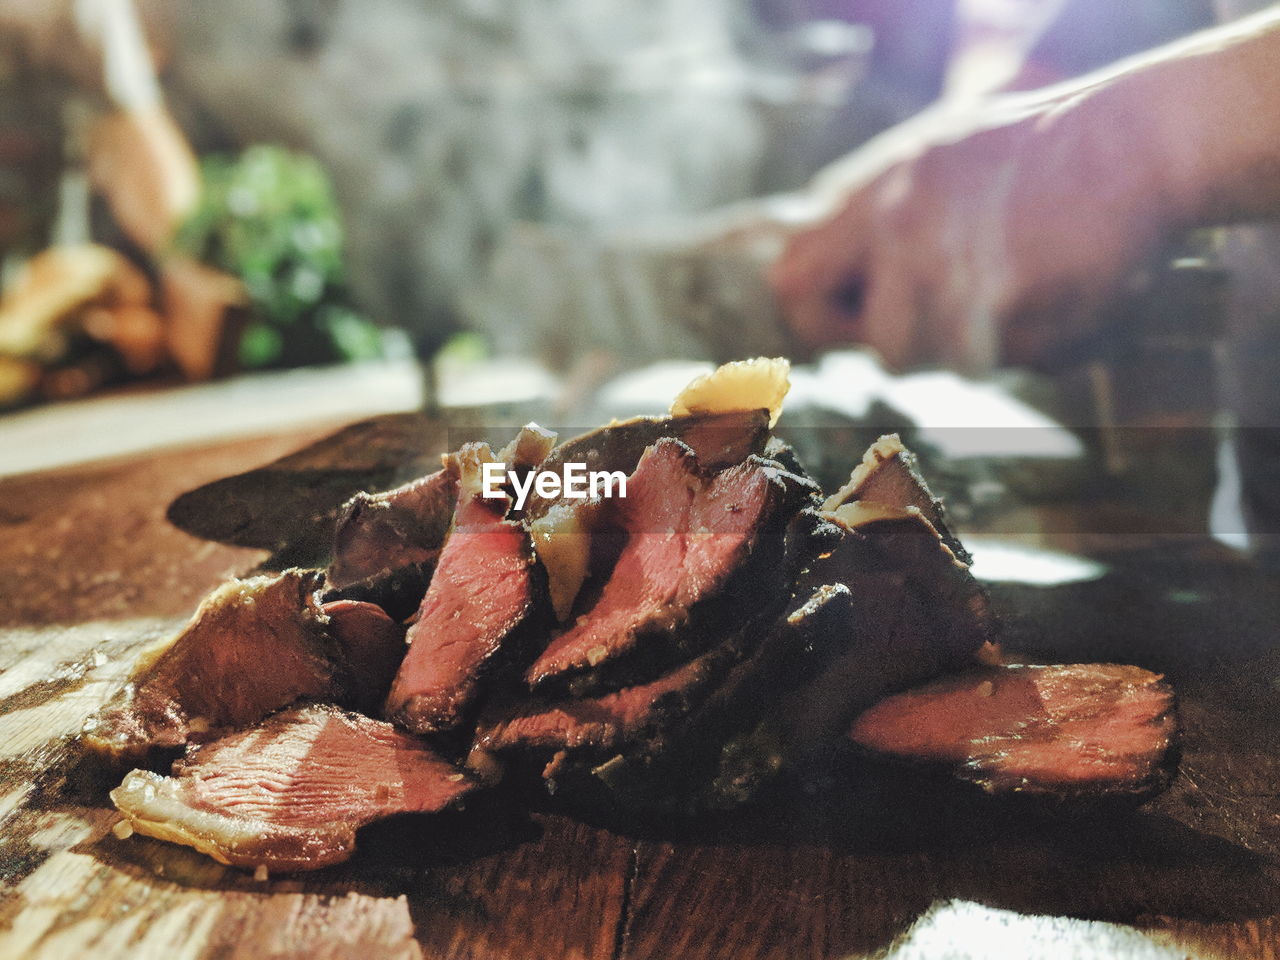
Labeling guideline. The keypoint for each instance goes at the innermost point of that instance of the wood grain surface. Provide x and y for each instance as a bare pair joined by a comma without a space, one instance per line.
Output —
881,863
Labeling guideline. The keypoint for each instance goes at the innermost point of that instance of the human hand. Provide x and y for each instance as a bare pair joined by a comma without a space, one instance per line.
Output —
963,237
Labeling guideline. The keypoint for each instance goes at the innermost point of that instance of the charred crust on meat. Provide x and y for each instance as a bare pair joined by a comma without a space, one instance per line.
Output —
370,646
383,540
890,474
252,647
399,592
719,628
703,748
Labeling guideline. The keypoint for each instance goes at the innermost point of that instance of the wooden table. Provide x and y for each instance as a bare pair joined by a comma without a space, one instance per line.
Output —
880,864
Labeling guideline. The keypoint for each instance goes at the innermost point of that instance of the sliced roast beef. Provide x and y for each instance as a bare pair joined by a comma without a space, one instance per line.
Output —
889,474
718,440
741,718
914,612
686,713
382,533
915,609
687,741
879,539
701,552
479,611
718,622
371,646
604,723
252,647
386,545
291,793
562,527
1083,730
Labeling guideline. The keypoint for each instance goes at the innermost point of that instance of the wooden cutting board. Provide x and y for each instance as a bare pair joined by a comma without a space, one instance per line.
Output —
882,863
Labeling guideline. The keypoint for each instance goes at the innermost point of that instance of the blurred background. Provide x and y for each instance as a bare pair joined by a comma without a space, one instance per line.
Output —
541,173
218,219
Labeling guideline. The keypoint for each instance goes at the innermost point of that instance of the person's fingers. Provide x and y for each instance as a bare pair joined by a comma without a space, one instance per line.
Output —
890,320
967,304
818,320
817,280
824,257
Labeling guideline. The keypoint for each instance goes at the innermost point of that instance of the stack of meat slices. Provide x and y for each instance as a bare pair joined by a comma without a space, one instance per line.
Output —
674,647
704,567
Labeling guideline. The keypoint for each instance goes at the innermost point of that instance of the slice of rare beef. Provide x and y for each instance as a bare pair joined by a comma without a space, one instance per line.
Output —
252,647
913,614
701,553
884,604
562,527
1072,732
889,474
386,545
481,610
915,609
379,534
290,793
718,440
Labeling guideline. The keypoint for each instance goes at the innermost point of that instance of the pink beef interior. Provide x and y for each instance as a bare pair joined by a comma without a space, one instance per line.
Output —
254,646
685,536
1058,726
481,591
317,765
